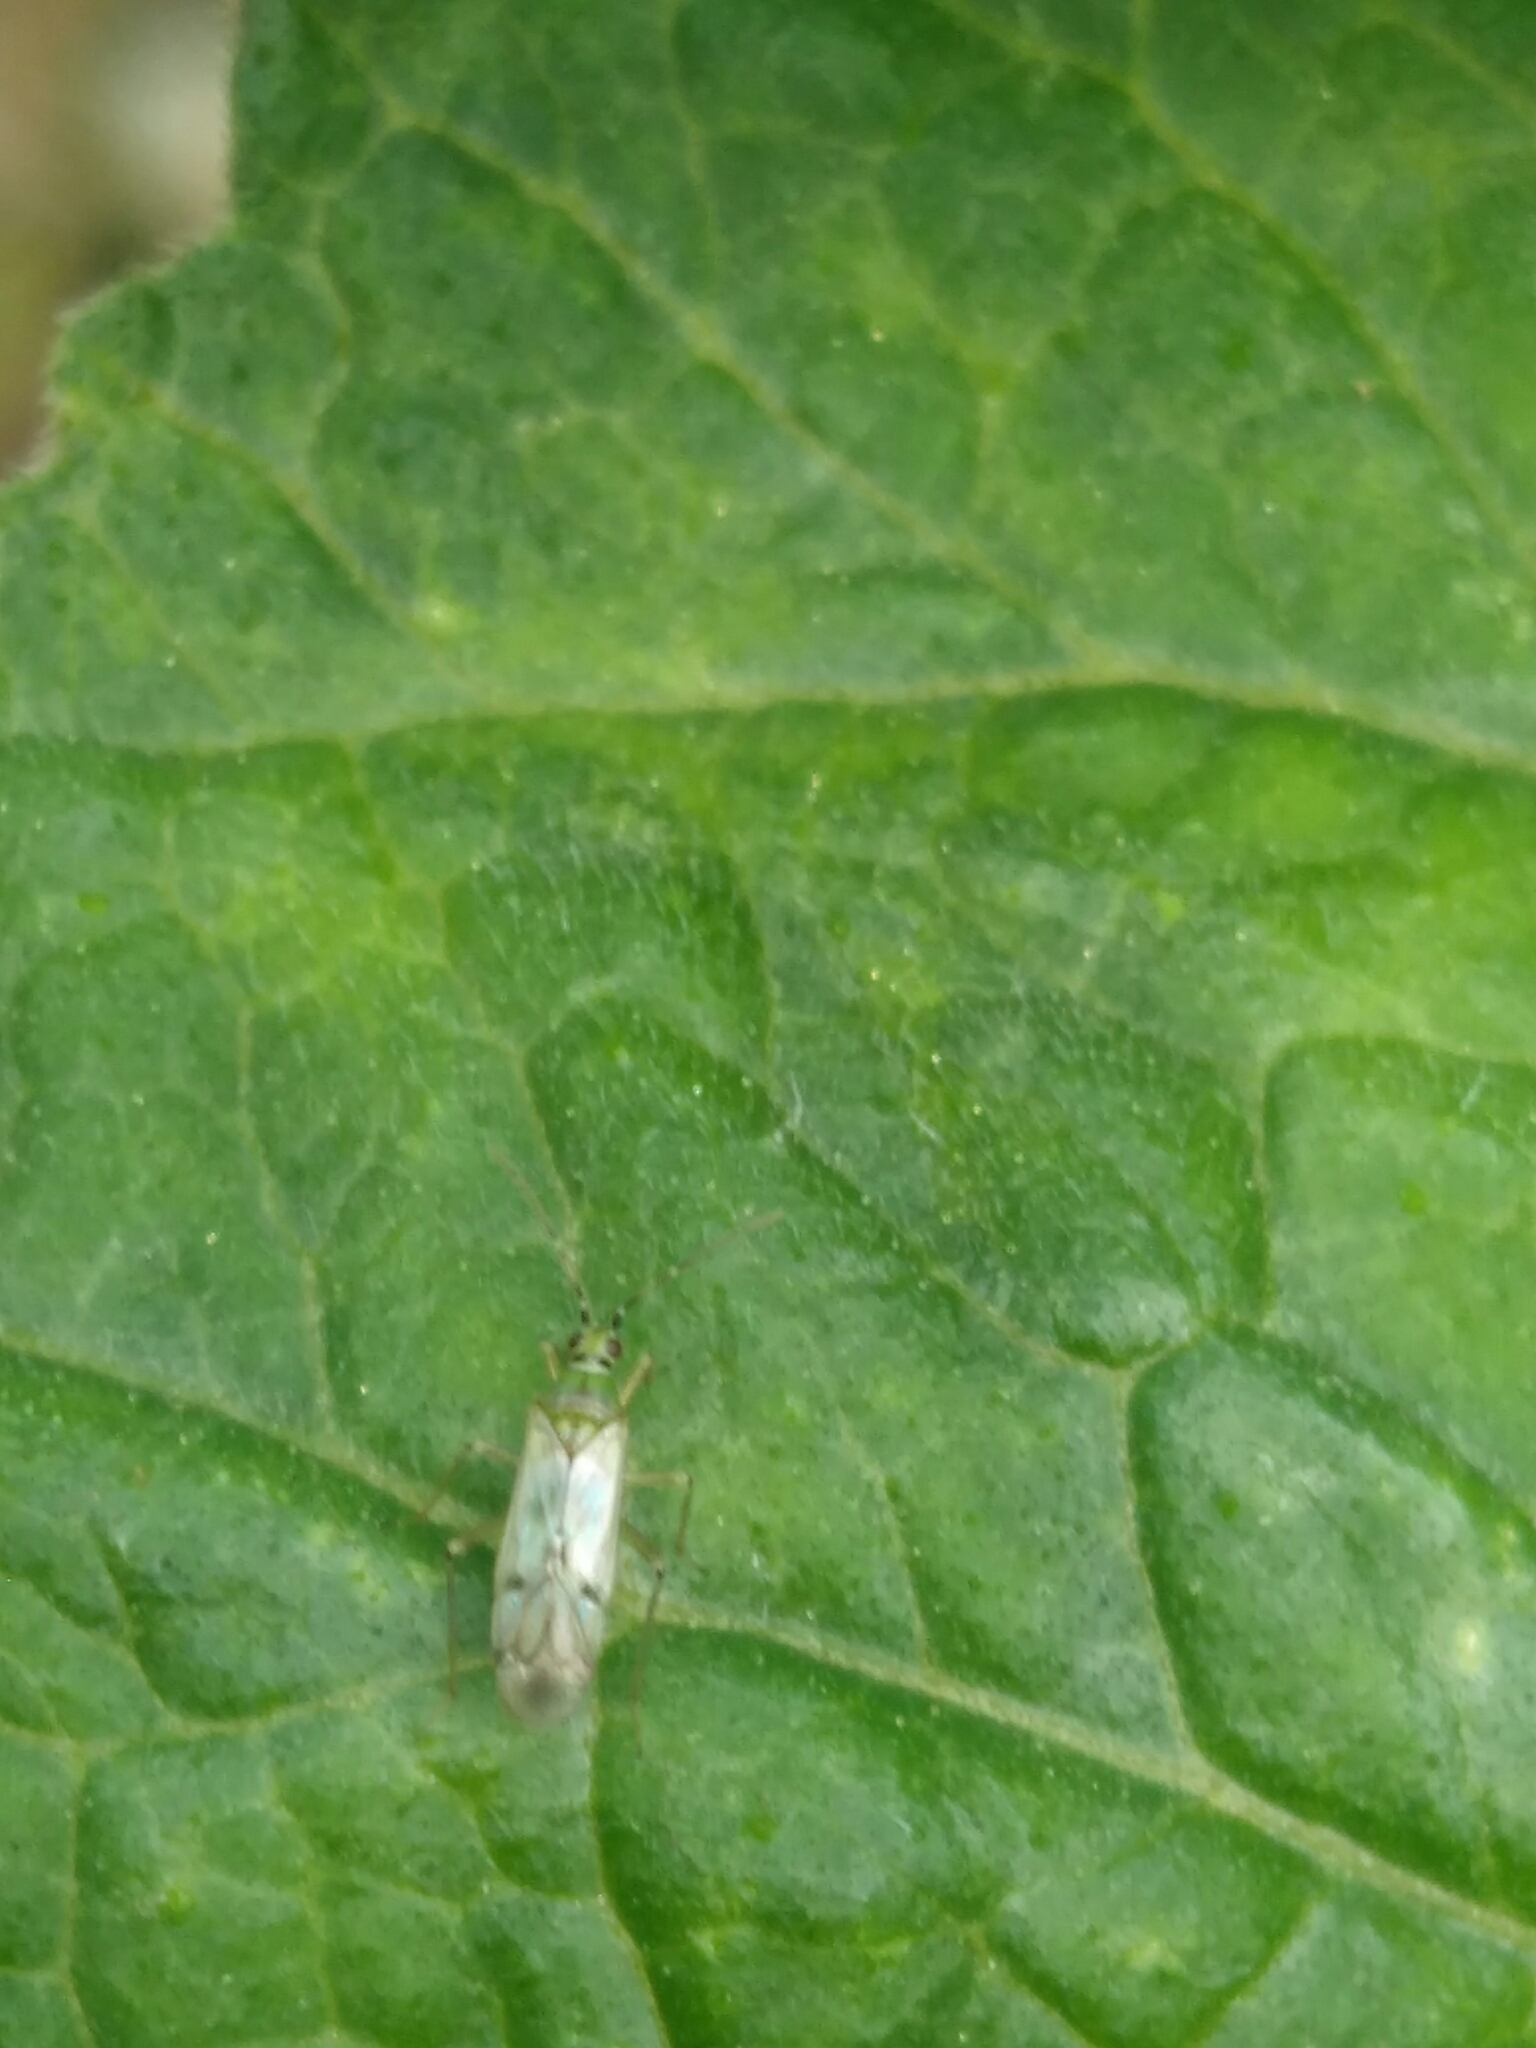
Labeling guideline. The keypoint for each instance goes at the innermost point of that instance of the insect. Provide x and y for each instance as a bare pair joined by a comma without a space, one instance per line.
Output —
558,1555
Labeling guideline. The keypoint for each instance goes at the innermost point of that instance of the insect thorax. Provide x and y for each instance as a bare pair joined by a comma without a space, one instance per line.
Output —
576,1416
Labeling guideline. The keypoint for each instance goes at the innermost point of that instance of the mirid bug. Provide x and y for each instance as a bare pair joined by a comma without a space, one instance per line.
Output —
557,1559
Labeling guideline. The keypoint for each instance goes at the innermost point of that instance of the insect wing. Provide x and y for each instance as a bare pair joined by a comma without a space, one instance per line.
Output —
593,1501
531,1538
556,1566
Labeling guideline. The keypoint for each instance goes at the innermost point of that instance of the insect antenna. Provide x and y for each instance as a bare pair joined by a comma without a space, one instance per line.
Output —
696,1257
557,1244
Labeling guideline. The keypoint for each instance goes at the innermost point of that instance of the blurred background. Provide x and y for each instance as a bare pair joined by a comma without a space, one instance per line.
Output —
114,141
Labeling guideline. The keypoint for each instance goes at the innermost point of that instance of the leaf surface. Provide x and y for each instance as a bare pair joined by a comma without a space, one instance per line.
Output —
917,616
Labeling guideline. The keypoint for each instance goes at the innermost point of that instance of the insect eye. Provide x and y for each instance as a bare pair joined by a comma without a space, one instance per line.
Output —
614,1348
573,1342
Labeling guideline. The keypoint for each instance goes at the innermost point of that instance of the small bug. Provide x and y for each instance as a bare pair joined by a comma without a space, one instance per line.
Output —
558,1554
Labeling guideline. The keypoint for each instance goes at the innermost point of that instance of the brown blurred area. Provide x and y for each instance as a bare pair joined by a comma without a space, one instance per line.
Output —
113,151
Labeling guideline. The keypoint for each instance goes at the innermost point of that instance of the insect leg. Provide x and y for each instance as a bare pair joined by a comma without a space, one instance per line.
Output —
453,1550
477,1447
456,1546
635,1382
683,1481
657,1561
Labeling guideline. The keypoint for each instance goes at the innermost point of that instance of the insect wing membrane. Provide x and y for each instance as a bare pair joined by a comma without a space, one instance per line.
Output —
593,1501
556,1565
531,1538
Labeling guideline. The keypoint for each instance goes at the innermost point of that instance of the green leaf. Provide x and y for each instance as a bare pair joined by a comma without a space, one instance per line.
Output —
923,617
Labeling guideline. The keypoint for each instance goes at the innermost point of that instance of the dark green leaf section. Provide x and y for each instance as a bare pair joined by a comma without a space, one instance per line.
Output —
804,1855
617,356
1234,882
133,1602
1407,1259
358,1855
1353,1613
37,2011
275,1824
1399,152
34,1889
